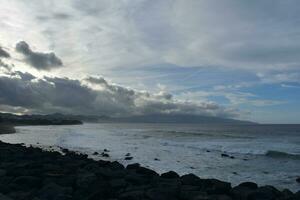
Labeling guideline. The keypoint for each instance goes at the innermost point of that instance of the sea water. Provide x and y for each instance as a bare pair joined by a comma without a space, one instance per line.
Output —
265,154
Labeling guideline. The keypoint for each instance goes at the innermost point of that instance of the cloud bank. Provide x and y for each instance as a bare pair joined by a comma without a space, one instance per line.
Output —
38,60
91,96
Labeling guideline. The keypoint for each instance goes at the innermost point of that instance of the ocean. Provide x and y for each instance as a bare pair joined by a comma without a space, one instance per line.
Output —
265,154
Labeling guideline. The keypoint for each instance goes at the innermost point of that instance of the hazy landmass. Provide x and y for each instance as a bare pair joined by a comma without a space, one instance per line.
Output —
8,120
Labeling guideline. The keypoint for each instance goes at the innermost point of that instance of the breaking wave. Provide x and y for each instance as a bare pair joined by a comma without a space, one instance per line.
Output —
280,154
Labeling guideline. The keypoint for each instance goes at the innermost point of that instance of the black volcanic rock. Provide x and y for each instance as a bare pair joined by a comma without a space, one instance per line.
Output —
170,175
34,174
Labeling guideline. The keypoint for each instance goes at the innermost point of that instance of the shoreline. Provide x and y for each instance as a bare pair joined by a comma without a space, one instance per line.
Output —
30,172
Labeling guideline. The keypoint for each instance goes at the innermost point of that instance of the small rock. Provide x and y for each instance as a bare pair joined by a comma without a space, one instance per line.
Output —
104,154
156,159
105,150
95,153
128,158
224,155
232,157
127,154
298,180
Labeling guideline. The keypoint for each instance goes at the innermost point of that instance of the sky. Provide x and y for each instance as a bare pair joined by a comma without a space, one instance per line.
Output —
233,59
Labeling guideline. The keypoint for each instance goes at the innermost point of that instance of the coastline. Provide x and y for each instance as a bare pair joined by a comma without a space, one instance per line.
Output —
7,129
29,173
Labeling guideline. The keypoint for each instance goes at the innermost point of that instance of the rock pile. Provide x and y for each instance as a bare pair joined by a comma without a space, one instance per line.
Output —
34,174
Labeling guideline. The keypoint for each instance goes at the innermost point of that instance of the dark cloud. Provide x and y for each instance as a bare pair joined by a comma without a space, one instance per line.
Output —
4,65
38,60
92,95
4,53
54,16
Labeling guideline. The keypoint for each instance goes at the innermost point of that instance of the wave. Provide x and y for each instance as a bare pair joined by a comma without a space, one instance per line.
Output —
280,154
200,133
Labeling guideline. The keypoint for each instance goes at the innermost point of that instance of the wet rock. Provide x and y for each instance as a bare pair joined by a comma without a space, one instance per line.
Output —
287,193
133,166
105,150
191,179
116,165
95,153
249,185
225,155
127,154
156,159
214,186
188,192
128,158
298,180
264,193
170,175
146,171
104,154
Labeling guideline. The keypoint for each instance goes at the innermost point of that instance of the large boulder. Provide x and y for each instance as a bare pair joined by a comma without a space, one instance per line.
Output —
170,175
214,186
146,171
191,179
265,193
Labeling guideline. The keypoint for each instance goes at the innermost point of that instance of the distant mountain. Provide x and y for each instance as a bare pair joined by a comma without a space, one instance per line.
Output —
59,119
178,118
54,119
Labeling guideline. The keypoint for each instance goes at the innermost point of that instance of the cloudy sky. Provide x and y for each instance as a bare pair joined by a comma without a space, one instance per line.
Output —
238,59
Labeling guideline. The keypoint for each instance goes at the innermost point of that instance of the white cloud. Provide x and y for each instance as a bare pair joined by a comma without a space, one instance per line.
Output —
100,35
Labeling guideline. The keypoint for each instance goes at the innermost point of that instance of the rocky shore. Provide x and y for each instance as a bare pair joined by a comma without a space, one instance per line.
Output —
34,174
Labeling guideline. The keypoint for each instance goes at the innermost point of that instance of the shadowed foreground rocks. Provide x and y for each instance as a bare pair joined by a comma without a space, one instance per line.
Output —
34,174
